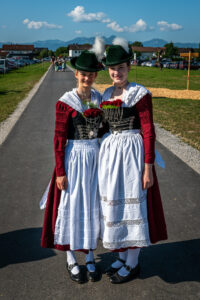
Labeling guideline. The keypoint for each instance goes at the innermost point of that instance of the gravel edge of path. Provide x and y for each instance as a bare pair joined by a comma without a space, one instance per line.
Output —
185,152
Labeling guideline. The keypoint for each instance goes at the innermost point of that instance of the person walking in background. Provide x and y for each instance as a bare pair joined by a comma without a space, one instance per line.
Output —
63,64
131,210
53,60
56,65
71,221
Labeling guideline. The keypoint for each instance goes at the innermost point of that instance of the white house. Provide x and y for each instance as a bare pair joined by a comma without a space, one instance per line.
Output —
75,49
149,52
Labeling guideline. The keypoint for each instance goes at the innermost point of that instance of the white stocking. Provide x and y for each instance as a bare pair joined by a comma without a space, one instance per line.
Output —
90,257
131,261
117,263
71,259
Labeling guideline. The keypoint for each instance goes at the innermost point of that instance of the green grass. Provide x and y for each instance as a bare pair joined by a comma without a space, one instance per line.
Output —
154,77
15,85
180,117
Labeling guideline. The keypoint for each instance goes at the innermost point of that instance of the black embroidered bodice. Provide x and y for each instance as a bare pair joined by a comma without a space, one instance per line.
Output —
123,118
82,128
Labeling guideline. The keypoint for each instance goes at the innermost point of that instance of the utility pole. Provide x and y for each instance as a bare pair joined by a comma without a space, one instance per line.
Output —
188,56
188,78
135,63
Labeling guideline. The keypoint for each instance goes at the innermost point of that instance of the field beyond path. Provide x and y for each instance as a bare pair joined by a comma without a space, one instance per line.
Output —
178,94
162,92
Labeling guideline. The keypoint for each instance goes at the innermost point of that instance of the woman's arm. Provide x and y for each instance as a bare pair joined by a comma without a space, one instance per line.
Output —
144,108
63,112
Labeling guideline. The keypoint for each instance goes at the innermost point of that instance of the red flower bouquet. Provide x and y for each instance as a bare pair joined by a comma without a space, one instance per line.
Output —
111,104
118,103
92,112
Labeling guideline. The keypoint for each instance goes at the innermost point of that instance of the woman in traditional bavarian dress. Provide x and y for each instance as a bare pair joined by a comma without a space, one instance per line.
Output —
131,209
71,221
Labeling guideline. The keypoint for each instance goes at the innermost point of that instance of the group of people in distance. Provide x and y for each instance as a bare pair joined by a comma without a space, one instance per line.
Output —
104,184
59,63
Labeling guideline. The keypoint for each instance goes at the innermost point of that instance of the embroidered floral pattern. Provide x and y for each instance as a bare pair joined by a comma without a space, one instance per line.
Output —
111,104
126,223
123,201
125,244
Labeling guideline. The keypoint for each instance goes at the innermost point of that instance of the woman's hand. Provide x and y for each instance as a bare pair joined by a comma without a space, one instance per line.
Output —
61,182
147,178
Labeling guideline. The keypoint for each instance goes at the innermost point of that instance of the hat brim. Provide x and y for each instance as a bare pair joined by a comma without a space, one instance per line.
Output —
74,64
118,62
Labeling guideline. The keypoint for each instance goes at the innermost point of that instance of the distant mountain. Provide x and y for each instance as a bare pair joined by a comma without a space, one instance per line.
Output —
85,40
154,43
161,43
187,45
50,44
54,44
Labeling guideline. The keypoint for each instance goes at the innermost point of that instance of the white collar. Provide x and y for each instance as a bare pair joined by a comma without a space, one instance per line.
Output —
134,93
72,99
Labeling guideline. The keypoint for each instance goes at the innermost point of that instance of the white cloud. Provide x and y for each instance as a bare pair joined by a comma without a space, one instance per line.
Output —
106,21
115,27
140,25
3,26
164,26
79,15
40,24
78,31
26,21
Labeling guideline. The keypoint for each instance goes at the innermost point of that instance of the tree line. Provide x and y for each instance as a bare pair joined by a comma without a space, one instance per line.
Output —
61,51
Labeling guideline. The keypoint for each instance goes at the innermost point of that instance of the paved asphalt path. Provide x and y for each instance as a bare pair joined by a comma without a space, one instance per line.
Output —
170,270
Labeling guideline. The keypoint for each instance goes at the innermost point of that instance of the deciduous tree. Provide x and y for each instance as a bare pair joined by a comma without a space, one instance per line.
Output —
61,50
44,53
137,44
171,50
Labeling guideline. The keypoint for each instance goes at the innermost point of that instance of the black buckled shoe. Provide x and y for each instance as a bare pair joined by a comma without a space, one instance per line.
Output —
92,276
111,271
78,277
133,273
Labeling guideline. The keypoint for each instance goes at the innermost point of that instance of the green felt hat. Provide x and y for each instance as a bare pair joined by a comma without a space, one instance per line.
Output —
86,61
116,55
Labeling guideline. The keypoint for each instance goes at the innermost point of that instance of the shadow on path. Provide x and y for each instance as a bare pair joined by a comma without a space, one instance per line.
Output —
22,246
172,262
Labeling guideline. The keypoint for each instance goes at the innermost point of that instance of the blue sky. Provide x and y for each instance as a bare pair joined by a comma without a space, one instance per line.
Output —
28,21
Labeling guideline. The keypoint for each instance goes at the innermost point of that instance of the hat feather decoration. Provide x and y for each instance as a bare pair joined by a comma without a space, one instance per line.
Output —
118,53
121,42
89,60
98,48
